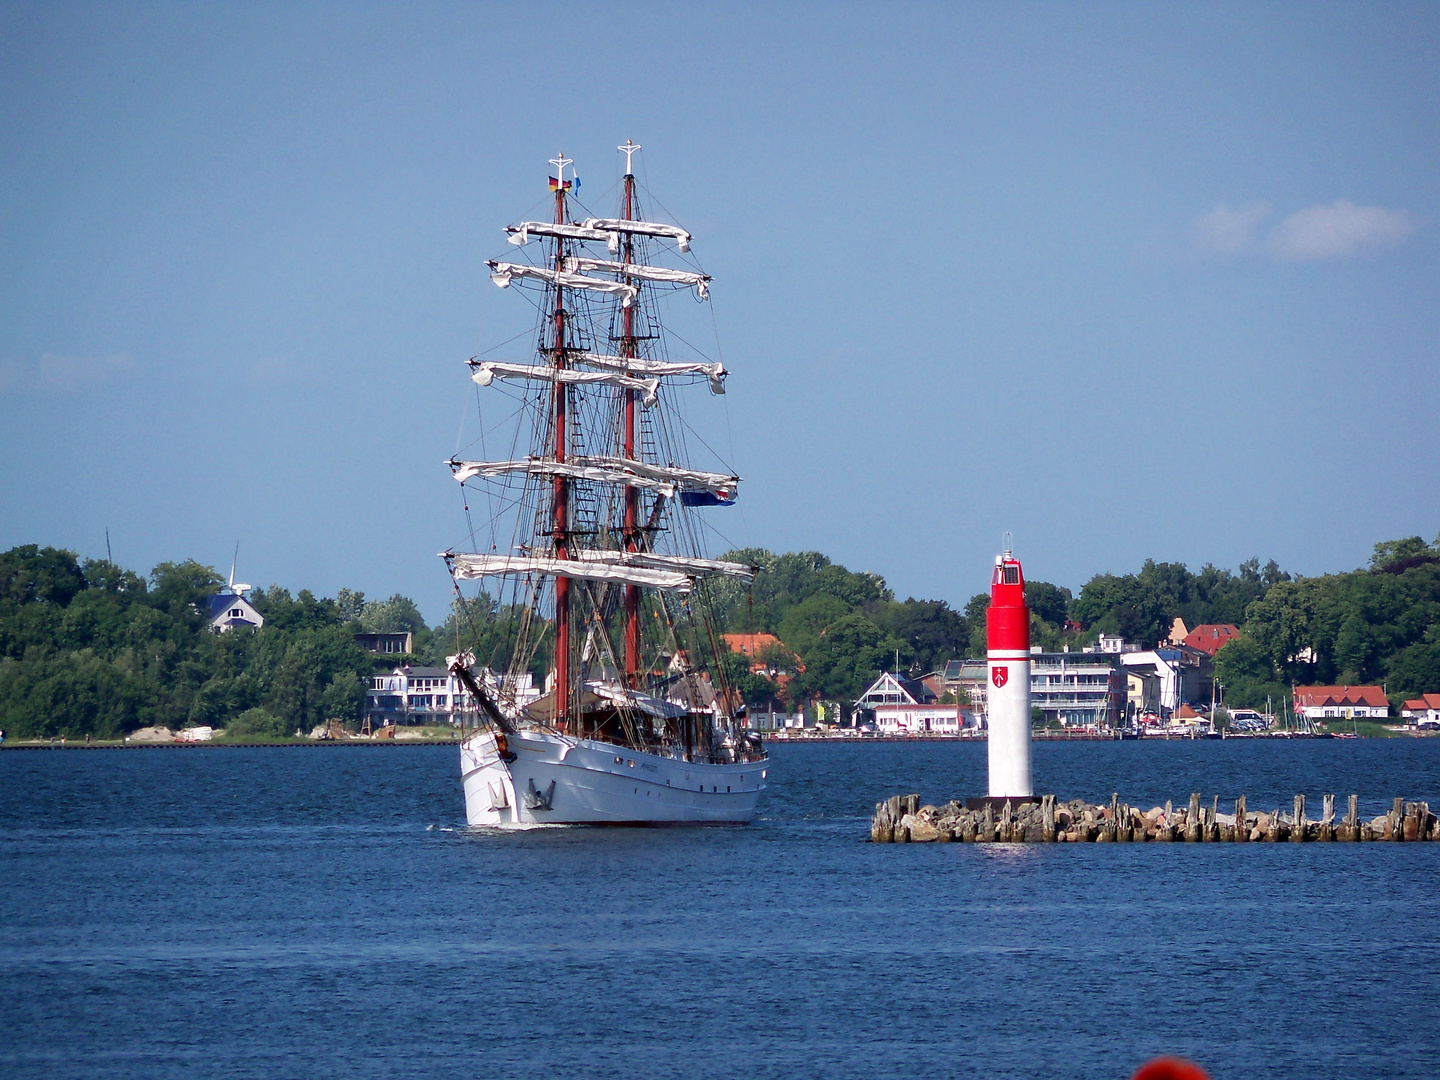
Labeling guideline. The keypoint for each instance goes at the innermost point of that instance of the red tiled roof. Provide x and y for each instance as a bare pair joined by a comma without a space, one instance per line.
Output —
1424,701
1311,697
752,645
749,644
1209,637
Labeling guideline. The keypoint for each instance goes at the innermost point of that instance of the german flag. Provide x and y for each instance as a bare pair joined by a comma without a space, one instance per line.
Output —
556,185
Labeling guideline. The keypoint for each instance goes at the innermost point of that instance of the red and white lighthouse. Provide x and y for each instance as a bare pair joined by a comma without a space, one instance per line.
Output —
1007,633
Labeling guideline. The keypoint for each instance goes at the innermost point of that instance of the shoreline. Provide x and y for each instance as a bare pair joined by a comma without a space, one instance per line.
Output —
218,744
766,737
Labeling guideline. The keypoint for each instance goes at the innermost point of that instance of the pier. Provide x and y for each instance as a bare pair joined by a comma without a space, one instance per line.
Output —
901,819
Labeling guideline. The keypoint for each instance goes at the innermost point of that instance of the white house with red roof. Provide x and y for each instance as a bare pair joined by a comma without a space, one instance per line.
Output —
1341,702
1423,711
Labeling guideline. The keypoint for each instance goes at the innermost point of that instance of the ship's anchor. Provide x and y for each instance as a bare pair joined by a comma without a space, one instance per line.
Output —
534,800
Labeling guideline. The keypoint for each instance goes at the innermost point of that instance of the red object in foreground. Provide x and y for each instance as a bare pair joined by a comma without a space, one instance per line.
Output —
1169,1068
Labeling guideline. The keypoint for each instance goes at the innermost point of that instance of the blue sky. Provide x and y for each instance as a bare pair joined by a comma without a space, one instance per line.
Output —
1128,281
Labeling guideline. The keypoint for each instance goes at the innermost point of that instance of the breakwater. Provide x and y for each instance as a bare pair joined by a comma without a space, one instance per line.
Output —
901,819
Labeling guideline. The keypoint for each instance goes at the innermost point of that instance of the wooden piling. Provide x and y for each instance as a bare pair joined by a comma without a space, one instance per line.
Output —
1326,831
1192,819
1242,826
1297,830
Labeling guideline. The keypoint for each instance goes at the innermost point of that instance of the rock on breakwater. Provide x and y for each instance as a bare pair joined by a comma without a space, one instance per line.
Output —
901,819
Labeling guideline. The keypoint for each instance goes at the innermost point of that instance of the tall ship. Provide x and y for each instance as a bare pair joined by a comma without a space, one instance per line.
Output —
588,544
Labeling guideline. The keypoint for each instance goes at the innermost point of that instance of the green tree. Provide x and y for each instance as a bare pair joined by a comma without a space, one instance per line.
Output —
846,658
1409,550
394,616
1050,602
1415,669
933,632
257,724
1248,674
34,575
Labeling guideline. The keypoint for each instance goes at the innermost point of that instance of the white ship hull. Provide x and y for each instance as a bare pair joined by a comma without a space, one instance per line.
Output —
559,780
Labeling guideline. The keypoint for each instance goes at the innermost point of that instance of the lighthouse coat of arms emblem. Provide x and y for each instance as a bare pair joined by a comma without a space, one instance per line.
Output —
1000,675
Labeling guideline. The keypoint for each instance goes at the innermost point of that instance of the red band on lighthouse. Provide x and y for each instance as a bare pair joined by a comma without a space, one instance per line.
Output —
1007,631
1007,623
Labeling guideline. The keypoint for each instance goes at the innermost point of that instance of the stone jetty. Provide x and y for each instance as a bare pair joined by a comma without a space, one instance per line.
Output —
901,819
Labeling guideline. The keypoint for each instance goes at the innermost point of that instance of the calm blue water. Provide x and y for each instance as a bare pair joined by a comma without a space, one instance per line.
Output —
290,913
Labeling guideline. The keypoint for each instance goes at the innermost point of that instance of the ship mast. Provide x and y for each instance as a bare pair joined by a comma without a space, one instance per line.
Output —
630,533
561,397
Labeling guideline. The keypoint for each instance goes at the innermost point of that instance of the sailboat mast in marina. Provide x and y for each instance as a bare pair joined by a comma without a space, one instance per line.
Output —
593,543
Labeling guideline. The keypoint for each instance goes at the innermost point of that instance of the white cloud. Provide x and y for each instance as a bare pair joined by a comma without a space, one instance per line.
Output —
1228,230
65,374
1339,231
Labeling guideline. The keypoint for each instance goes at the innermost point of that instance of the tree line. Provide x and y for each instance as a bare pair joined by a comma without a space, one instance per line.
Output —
838,629
90,647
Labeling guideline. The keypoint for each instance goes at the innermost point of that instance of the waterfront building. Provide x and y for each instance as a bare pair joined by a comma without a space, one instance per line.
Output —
891,689
1073,689
432,695
1078,689
1341,702
1423,711
931,719
1159,681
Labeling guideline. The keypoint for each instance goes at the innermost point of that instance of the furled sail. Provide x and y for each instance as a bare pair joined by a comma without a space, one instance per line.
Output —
487,371
680,563
700,282
520,234
467,567
502,272
688,479
635,699
638,366
643,228
578,468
